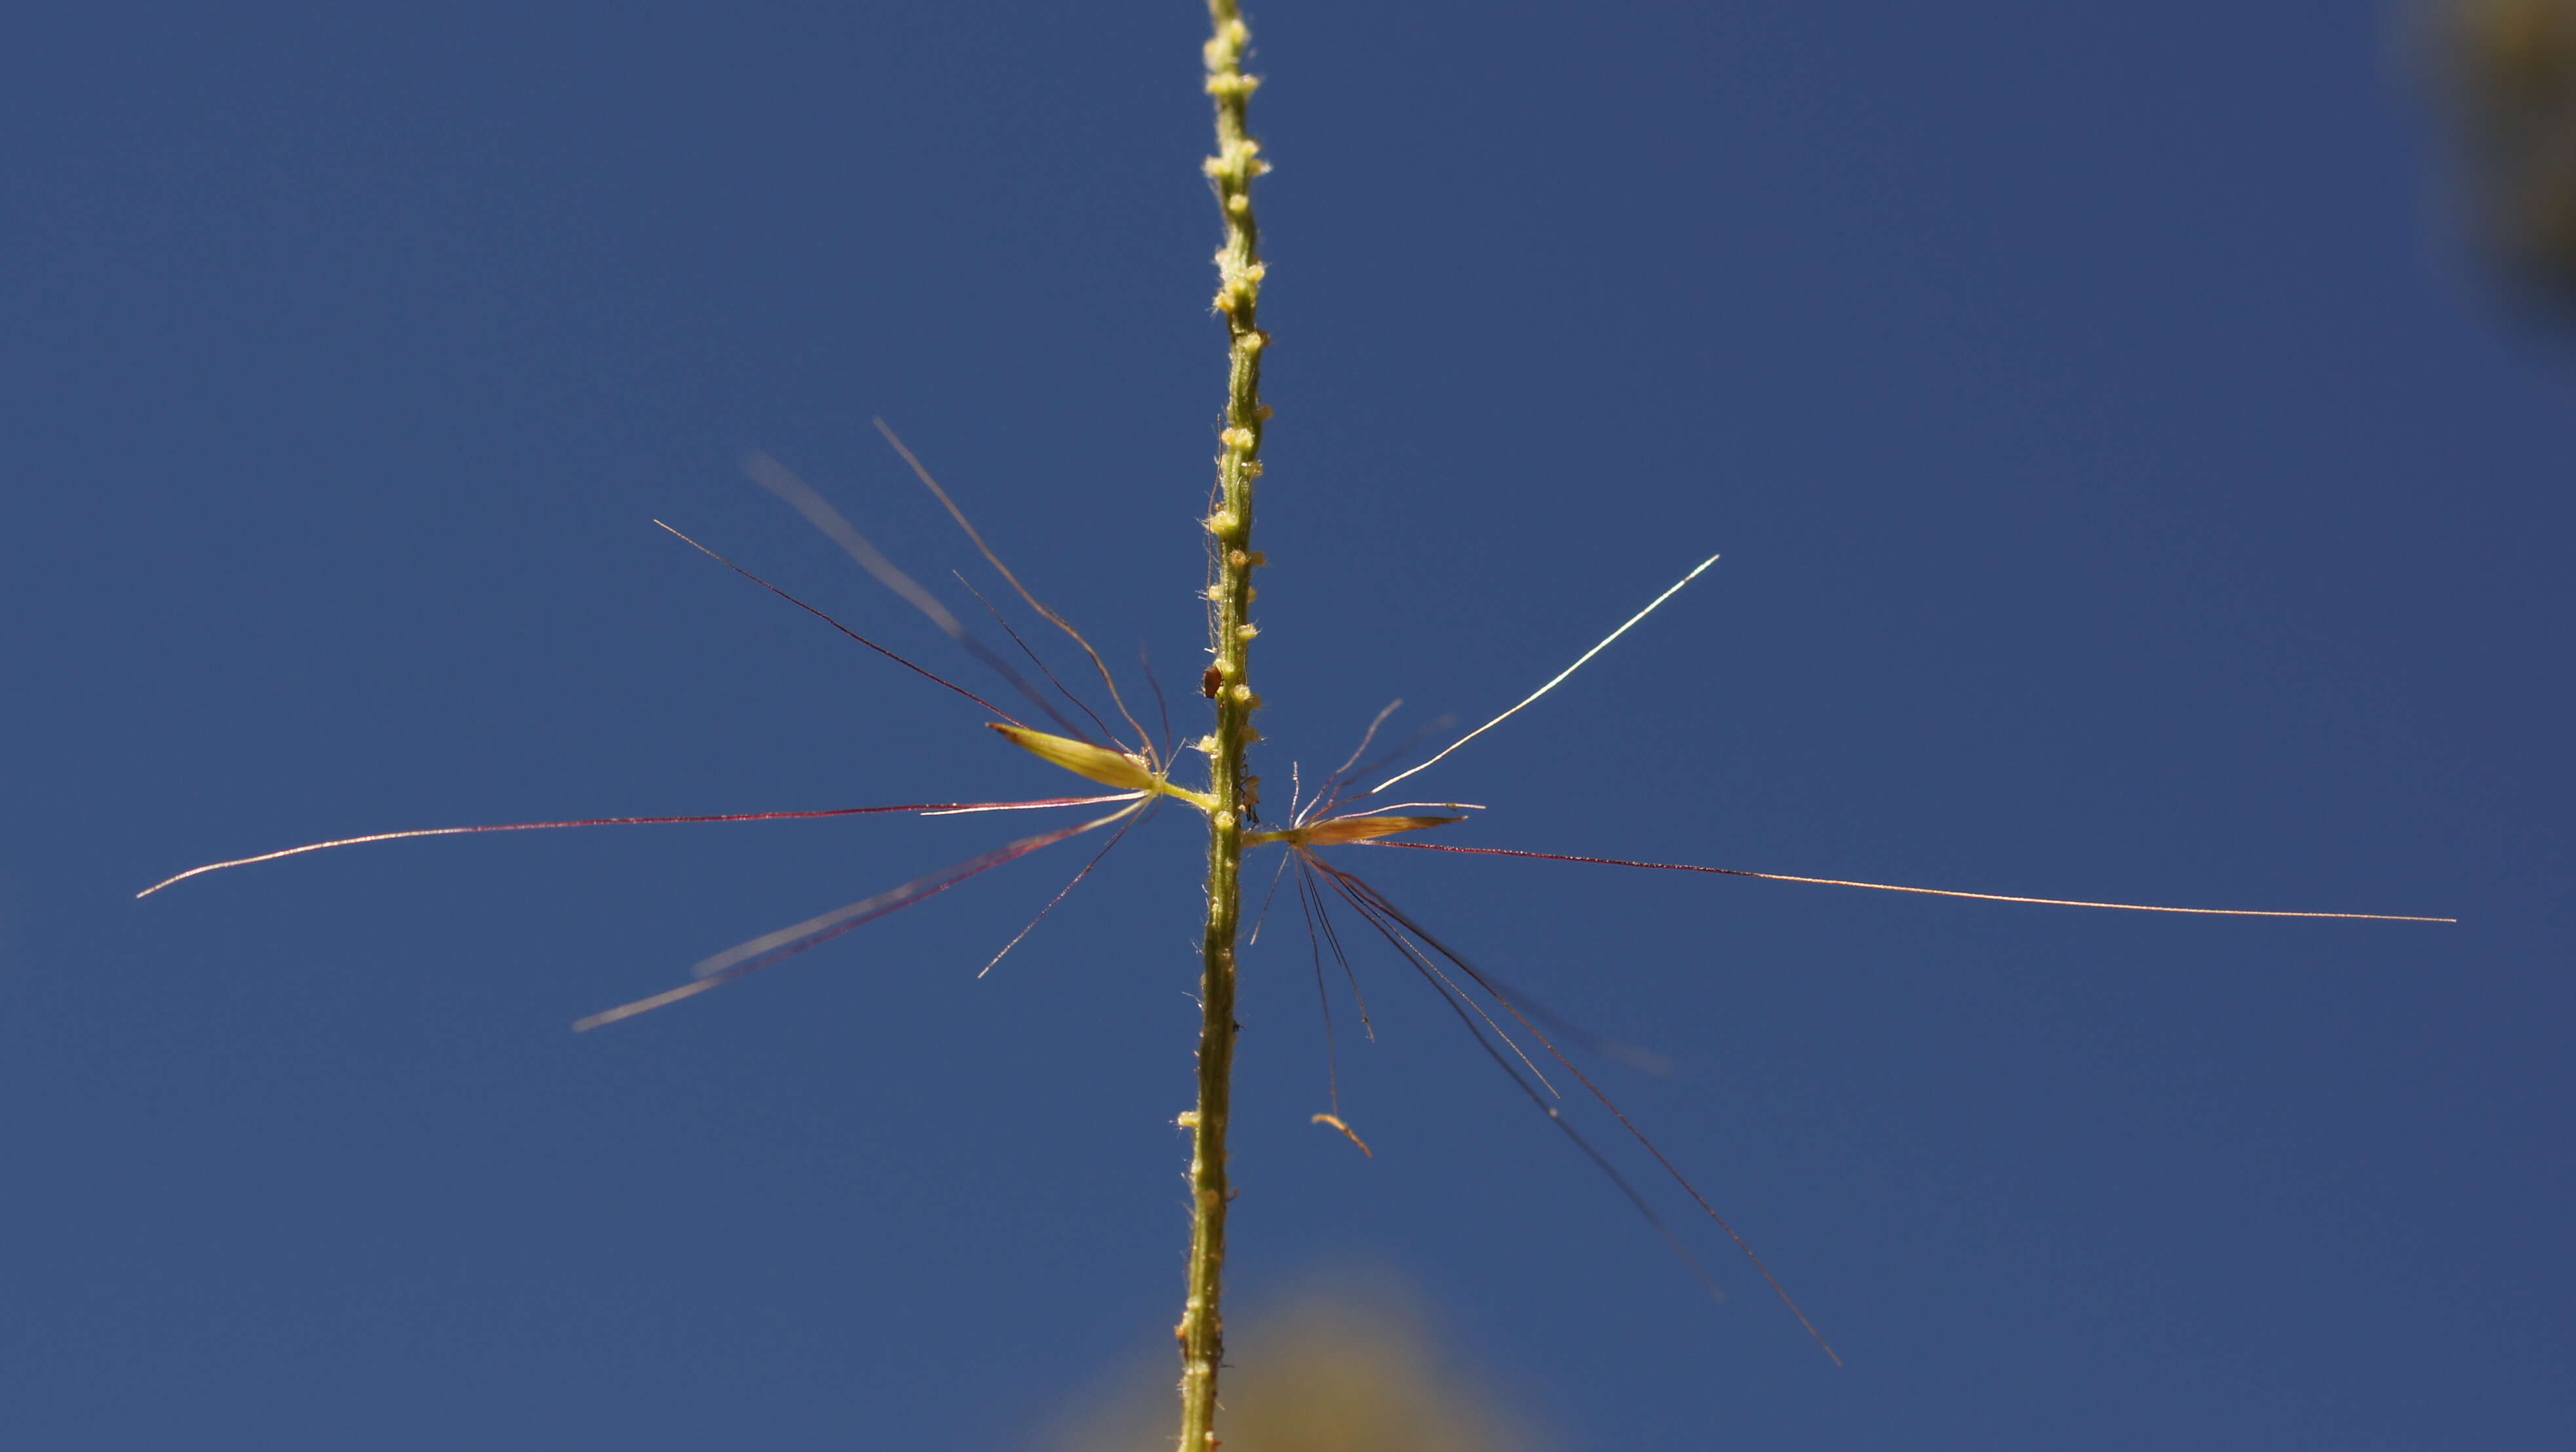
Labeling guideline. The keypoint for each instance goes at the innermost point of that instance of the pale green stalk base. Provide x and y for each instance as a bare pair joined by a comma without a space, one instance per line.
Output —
1237,162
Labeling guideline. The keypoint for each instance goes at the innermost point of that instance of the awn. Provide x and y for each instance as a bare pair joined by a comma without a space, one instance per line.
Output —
1139,776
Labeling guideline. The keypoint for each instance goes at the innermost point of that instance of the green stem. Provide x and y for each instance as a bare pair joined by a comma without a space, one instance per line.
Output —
1237,162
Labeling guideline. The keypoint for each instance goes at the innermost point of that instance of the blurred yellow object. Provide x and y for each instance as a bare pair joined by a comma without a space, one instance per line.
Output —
2511,66
1335,1372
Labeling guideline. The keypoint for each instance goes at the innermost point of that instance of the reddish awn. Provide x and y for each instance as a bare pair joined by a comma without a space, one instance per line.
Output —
1336,814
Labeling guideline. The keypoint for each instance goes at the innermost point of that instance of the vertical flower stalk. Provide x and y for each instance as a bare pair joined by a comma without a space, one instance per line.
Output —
1230,594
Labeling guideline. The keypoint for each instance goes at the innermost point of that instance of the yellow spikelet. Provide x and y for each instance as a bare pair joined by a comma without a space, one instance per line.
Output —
1099,763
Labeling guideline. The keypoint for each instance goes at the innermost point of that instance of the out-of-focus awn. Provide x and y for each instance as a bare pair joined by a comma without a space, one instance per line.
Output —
1333,816
1138,772
1332,819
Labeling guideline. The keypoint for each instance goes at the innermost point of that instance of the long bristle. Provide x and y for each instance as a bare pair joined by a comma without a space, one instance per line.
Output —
1323,793
1362,894
845,630
2130,907
1345,883
1557,680
1323,1000
776,947
784,482
1037,660
1457,1004
1332,938
1106,679
1067,890
928,809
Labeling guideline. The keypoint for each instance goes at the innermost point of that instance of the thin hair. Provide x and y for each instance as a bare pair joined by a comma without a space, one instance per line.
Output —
995,561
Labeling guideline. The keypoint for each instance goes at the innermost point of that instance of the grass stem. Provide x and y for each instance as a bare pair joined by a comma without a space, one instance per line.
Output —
1230,594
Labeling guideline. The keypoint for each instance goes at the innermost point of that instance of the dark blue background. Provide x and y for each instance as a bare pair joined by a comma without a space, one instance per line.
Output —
2128,488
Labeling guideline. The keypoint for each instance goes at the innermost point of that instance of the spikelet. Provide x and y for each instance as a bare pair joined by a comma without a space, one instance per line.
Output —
1336,831
1102,764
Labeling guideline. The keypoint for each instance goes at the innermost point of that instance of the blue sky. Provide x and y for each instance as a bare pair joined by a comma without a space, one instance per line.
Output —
2128,485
